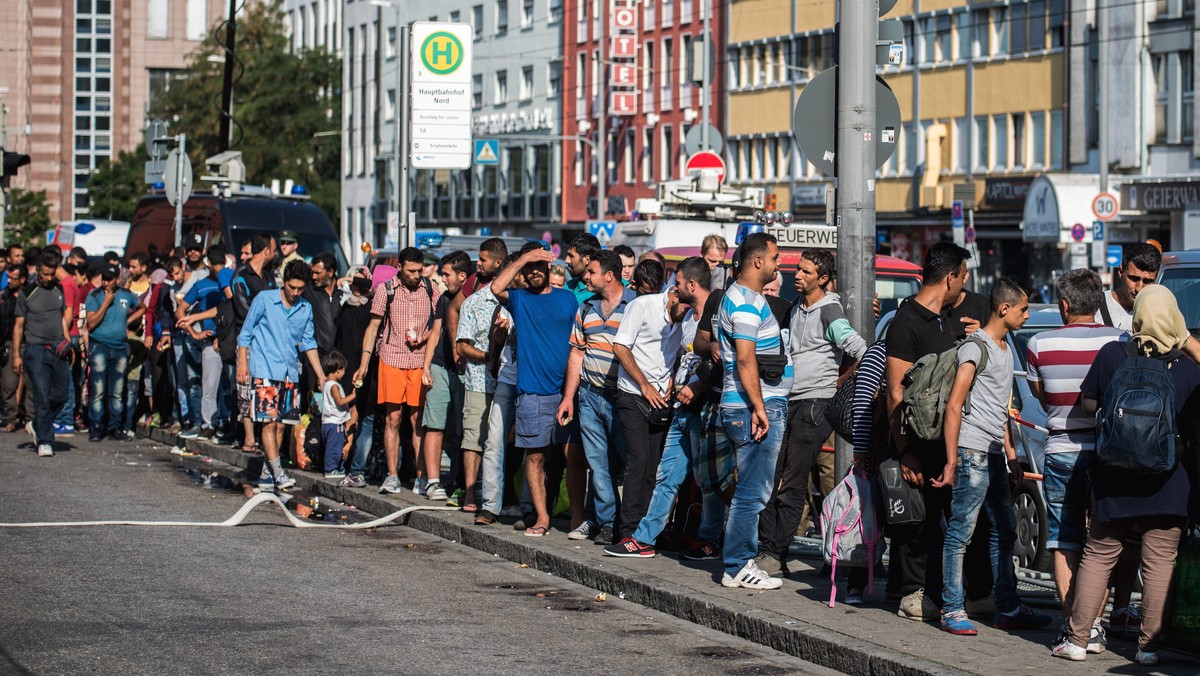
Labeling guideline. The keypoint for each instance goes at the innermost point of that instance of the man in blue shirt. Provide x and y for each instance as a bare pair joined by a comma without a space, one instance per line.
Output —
110,311
543,316
277,328
199,309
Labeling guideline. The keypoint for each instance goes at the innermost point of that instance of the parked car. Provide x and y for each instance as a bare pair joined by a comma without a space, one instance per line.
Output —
1180,272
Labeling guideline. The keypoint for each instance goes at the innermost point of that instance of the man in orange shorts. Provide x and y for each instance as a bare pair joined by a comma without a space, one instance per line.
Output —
404,306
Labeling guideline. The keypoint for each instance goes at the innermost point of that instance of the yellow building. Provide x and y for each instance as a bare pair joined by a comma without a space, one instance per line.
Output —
982,94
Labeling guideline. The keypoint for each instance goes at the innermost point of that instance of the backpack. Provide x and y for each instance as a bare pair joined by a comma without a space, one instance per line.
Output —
390,286
314,445
927,387
227,331
850,529
1136,427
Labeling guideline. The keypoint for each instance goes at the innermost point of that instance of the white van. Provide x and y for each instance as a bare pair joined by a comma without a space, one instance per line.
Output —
97,237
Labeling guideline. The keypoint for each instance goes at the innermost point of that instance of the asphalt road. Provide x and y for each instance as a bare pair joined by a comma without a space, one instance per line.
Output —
266,597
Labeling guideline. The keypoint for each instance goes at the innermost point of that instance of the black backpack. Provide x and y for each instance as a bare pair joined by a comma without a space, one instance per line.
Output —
1135,427
227,331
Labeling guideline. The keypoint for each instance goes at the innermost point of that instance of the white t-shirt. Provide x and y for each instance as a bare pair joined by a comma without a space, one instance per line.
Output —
331,413
1121,318
653,339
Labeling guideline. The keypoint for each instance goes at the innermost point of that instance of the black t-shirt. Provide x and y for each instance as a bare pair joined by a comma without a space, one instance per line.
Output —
439,312
708,317
916,332
782,309
975,306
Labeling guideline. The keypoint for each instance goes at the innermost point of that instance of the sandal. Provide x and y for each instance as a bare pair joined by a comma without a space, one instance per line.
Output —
470,507
536,531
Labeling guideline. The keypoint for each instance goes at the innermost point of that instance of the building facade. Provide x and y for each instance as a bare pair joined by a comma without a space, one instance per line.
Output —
641,60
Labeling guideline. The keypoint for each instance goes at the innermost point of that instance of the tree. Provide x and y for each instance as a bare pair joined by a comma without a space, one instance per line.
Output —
28,217
116,187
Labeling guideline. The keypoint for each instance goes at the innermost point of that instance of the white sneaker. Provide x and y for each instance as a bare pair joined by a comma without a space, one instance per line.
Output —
751,577
45,451
1069,651
1098,641
582,531
1145,659
917,606
434,491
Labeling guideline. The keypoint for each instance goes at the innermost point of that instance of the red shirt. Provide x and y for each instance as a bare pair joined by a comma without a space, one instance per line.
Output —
73,296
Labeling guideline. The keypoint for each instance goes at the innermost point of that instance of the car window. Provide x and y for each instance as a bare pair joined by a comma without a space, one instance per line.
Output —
1185,284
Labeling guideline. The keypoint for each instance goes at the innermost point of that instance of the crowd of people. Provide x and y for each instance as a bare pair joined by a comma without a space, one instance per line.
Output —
657,396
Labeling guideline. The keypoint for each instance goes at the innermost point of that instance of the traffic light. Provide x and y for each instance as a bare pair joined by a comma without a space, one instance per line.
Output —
12,162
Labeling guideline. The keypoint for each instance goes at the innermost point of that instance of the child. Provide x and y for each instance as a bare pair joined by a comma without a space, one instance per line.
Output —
981,463
335,413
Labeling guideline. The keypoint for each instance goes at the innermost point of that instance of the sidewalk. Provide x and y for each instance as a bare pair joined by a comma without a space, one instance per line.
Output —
795,620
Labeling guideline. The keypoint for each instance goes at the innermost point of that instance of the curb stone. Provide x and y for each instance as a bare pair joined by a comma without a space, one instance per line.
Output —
819,645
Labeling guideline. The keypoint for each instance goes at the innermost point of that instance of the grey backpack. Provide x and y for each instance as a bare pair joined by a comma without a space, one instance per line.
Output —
927,387
850,530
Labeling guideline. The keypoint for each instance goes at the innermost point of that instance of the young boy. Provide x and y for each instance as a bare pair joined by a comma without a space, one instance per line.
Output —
335,413
981,464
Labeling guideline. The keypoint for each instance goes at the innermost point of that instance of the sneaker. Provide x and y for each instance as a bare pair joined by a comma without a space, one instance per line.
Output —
435,492
604,537
117,435
485,518
45,450
95,436
751,577
64,430
29,428
956,623
1126,621
582,531
701,551
511,512
1145,659
1098,641
266,481
630,549
419,487
1022,618
336,474
353,481
129,434
80,425
206,434
189,433
455,499
1069,651
284,481
918,606
391,485
854,597
769,564
984,607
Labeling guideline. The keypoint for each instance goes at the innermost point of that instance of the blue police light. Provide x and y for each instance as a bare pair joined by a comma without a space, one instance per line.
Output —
299,190
84,228
158,186
745,229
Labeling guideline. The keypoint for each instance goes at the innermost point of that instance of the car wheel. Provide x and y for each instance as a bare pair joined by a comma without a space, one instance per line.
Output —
1030,548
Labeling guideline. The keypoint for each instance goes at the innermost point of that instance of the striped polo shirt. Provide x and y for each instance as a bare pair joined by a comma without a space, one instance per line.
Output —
1059,359
745,315
594,333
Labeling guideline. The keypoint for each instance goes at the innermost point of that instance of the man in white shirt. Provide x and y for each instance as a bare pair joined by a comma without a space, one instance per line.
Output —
1139,267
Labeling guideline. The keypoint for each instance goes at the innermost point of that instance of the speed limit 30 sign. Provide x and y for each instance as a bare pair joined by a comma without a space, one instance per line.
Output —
1104,206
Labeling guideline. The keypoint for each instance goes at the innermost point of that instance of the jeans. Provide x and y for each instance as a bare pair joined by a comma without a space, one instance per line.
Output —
605,450
679,455
501,417
183,409
755,468
643,447
75,373
807,431
202,356
48,379
980,480
107,386
192,382
8,383
362,445
1067,488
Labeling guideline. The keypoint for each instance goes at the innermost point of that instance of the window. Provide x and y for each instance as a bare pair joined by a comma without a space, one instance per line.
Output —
581,32
578,164
983,34
981,143
685,11
1018,28
477,91
1020,154
1000,133
647,66
389,49
1055,21
553,78
668,147
648,15
1037,25
197,19
581,68
525,89
944,39
554,11
526,13
647,155
962,145
500,92
962,28
909,134
159,84
668,12
501,17
1056,139
1037,123
928,38
627,156
668,67
1000,32
477,20
157,21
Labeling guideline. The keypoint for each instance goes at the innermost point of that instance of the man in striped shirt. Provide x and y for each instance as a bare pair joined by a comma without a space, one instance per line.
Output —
592,376
758,376
1058,361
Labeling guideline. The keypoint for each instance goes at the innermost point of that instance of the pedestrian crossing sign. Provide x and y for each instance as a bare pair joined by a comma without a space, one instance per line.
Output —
487,151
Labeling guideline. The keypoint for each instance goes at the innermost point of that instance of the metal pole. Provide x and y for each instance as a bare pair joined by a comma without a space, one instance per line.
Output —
223,135
181,185
704,93
1101,63
3,149
401,138
856,131
601,149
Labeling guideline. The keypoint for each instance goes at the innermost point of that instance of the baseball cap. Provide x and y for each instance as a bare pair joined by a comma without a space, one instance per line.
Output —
288,237
193,241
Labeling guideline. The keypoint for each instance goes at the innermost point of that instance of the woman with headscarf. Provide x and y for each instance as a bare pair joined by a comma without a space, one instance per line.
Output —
1125,502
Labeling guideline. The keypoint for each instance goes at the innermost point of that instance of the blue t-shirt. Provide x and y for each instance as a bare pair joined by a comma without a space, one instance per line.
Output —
224,279
543,328
204,295
112,332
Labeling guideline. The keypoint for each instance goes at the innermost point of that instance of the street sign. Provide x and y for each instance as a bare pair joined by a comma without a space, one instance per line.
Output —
154,171
178,183
705,159
602,229
1097,231
441,95
1099,254
693,141
957,223
547,236
156,139
814,121
487,151
1113,256
1104,206
1078,232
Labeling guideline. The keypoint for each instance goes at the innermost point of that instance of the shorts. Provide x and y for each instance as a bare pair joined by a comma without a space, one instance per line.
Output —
475,420
536,426
275,401
400,386
245,400
1066,487
444,396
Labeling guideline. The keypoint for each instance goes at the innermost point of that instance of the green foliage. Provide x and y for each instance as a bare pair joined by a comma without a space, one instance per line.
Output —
28,217
116,187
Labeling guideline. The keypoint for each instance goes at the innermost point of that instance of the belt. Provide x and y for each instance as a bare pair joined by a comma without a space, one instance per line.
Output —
602,391
810,401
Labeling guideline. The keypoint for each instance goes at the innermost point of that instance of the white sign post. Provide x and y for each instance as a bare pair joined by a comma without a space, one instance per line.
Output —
440,121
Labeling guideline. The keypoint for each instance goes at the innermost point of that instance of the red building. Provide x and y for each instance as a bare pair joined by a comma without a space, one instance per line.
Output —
646,63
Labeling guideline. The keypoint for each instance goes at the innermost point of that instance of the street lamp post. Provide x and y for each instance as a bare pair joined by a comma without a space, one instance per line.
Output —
400,131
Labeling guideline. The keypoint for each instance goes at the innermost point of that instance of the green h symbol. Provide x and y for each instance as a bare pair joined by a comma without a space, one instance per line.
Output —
443,50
